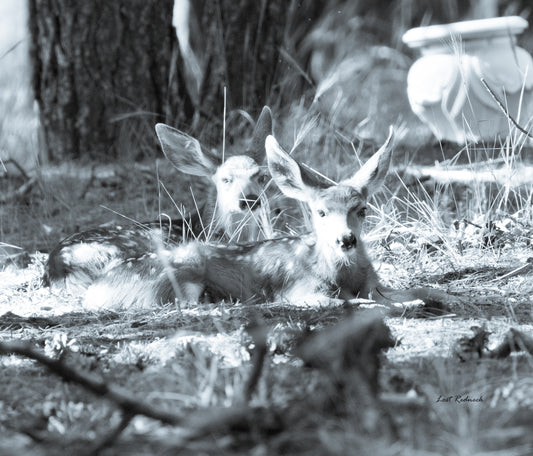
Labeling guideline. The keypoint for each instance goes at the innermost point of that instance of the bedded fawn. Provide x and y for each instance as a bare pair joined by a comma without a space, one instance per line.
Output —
235,209
330,262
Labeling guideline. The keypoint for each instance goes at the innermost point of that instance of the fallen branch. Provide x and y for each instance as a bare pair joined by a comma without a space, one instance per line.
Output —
111,436
198,424
259,337
513,341
119,396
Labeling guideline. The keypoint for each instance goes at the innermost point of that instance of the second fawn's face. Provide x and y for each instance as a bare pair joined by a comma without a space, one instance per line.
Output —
240,184
239,179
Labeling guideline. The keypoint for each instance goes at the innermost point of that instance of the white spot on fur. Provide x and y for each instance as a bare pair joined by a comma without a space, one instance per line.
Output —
91,252
302,248
185,253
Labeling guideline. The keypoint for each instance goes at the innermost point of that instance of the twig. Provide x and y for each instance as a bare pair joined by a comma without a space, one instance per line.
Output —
111,436
17,165
525,268
504,109
89,183
119,396
259,336
199,424
19,192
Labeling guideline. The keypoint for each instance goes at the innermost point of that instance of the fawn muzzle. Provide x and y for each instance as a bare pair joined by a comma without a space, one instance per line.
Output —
250,201
347,241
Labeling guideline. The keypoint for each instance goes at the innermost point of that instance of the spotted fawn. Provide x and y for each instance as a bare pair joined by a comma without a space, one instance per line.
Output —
235,210
330,262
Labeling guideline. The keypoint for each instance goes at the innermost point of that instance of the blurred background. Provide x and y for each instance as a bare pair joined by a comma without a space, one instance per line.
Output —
82,85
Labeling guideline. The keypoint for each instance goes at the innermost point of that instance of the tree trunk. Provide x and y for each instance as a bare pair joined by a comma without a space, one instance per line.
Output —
106,71
101,75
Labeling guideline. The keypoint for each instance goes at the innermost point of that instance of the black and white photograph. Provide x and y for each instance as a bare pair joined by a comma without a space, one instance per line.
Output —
266,227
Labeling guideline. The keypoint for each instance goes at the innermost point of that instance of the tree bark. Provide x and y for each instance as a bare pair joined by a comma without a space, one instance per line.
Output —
101,75
106,71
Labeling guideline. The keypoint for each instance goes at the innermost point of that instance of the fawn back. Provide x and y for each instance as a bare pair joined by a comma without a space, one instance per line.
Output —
235,208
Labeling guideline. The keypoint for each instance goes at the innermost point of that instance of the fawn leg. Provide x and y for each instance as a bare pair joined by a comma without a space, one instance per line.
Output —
432,298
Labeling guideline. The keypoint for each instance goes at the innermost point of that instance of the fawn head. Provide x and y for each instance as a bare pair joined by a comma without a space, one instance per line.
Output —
337,210
239,180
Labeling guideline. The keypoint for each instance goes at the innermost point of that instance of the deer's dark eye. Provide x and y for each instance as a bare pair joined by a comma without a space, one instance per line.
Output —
362,212
226,180
321,213
262,179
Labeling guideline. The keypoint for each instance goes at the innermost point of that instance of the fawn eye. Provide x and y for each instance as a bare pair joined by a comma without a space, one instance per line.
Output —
262,179
321,213
362,212
226,180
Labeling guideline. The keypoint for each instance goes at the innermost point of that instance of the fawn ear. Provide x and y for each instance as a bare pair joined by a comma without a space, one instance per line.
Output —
372,174
263,128
185,152
285,171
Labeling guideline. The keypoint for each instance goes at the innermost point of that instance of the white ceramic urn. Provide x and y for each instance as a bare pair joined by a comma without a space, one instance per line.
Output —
444,85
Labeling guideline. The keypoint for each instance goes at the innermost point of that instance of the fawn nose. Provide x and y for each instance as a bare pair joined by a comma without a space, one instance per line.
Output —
250,201
347,241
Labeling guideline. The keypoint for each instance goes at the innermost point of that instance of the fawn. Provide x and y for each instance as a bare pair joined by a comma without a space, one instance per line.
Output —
330,262
235,208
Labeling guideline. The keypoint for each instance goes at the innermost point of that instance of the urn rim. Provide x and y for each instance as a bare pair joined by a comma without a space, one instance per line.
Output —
467,30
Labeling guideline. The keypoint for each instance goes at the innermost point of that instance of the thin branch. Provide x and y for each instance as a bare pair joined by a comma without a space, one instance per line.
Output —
198,424
119,396
20,192
259,336
19,167
89,183
504,109
111,436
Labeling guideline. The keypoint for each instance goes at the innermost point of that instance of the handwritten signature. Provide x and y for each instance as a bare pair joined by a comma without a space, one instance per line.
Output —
460,398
